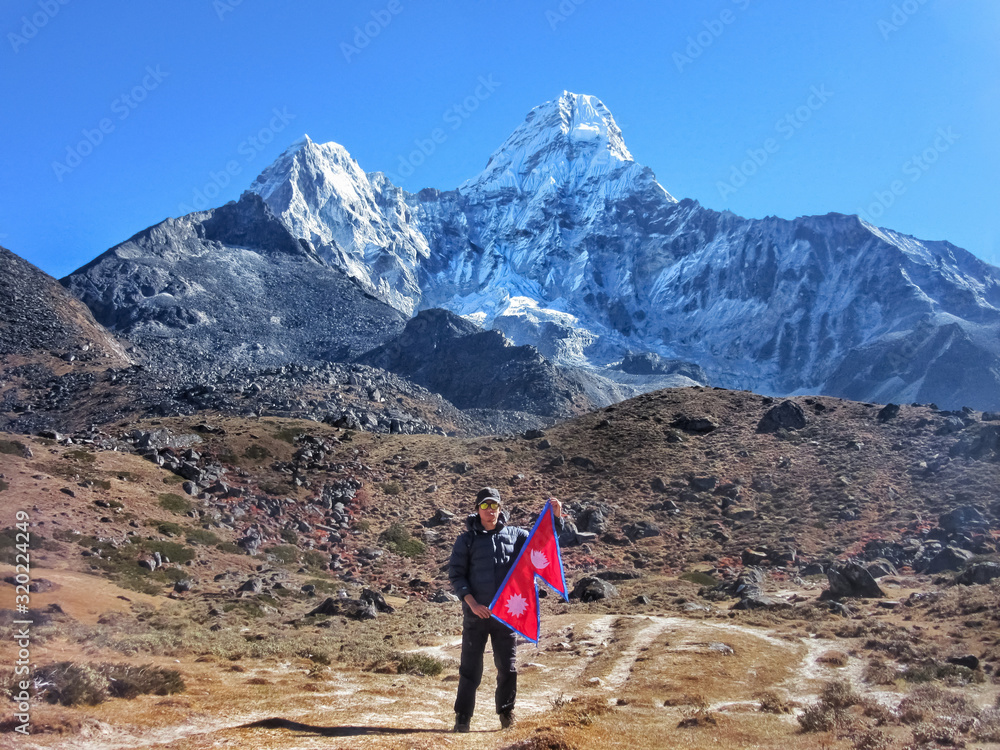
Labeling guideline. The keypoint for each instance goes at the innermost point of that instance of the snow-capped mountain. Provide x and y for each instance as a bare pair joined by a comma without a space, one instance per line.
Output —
357,222
565,242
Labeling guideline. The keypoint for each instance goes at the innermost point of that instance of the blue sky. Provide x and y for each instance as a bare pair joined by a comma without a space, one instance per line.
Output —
120,114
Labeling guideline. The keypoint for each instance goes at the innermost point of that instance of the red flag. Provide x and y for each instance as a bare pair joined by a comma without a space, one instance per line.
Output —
516,603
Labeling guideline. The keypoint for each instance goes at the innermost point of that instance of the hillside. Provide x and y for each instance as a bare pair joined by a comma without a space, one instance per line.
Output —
257,520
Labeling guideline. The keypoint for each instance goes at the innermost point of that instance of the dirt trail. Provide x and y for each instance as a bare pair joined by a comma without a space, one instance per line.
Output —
626,654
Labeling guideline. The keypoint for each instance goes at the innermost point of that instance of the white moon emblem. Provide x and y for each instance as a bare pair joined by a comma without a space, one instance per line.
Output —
538,559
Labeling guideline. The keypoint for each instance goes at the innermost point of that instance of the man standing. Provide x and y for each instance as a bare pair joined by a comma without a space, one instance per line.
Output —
480,560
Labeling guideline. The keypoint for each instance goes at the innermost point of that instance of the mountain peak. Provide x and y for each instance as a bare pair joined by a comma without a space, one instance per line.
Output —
574,135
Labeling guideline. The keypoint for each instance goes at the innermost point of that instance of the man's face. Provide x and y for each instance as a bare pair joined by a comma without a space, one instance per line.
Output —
490,514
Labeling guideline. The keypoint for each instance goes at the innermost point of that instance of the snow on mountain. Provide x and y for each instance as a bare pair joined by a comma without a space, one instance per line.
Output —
357,222
565,242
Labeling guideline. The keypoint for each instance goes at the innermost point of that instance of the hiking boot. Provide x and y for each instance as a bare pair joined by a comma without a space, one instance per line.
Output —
462,723
507,720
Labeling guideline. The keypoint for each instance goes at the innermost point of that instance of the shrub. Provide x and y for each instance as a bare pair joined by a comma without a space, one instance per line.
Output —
928,703
391,488
256,452
174,503
818,718
313,559
200,536
168,528
13,448
772,703
397,539
839,695
72,684
699,577
288,434
420,663
873,739
127,681
879,673
232,549
285,553
80,455
289,536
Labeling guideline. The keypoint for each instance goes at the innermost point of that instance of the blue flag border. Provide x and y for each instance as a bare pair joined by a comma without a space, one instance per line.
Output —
536,577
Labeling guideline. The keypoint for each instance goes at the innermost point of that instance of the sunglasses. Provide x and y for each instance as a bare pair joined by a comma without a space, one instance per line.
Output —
489,505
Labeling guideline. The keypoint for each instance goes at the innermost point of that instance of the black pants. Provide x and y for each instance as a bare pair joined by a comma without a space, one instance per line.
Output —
475,631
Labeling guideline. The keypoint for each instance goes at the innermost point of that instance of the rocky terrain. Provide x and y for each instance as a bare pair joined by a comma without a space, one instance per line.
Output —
745,570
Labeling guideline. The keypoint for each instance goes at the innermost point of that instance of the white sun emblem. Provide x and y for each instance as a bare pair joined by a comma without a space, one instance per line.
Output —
538,559
516,605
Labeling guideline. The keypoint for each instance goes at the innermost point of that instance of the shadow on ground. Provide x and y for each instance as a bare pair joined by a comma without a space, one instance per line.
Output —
279,723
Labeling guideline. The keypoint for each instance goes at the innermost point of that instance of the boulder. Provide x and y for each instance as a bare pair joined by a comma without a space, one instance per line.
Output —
591,589
851,581
788,415
979,573
703,484
252,586
950,558
735,513
355,609
881,567
592,520
699,424
886,413
442,516
963,519
641,530
377,600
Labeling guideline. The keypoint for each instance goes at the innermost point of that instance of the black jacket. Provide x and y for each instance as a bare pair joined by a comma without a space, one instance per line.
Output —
481,559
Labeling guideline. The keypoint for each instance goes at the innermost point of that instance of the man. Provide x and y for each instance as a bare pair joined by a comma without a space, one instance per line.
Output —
480,560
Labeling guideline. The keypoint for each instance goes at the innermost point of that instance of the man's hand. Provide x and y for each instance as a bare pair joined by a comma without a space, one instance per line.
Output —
556,507
479,610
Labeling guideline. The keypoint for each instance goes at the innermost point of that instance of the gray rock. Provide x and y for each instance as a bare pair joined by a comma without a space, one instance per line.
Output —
950,558
851,581
355,609
703,484
442,516
591,589
887,413
881,567
979,573
252,586
963,519
698,424
786,415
